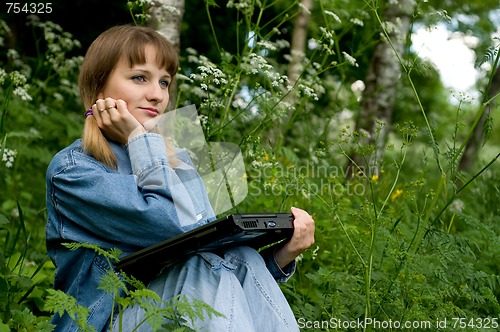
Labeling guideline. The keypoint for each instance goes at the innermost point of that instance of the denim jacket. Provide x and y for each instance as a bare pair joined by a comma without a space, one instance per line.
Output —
129,208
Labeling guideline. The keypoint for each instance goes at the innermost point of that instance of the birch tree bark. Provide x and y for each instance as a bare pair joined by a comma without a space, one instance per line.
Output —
295,67
166,18
473,145
384,73
299,40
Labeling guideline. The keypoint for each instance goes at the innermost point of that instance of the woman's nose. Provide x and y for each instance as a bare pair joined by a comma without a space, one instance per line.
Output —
156,93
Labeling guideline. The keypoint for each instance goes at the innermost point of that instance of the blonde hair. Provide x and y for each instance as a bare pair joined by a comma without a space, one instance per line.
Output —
128,42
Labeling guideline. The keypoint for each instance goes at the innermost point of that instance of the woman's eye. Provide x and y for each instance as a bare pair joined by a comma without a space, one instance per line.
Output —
164,84
139,78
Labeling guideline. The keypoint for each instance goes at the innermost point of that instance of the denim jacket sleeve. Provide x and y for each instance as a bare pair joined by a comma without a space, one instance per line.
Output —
118,209
279,274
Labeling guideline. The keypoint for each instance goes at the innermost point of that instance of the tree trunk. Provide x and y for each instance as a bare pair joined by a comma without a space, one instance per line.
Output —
295,68
299,39
472,147
384,73
166,18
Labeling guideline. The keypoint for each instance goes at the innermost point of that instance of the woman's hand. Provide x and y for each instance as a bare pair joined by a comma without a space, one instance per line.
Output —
302,238
115,120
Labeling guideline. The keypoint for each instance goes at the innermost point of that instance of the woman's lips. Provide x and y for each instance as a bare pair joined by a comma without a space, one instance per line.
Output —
151,111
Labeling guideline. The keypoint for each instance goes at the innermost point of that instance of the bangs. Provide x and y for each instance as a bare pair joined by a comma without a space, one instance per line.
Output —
134,50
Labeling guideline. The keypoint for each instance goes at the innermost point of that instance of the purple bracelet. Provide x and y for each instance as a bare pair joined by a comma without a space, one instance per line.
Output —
89,112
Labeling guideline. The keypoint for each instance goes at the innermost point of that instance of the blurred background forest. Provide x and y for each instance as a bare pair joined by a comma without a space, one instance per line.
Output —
335,112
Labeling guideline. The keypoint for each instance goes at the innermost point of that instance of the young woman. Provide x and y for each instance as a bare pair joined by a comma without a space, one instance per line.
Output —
111,188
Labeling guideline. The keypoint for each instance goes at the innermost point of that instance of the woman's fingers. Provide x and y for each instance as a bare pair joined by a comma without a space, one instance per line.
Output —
302,238
303,235
100,110
114,119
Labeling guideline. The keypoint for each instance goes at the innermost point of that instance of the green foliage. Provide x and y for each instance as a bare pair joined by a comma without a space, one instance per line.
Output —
177,314
391,253
35,94
407,237
491,53
388,246
60,303
23,283
139,11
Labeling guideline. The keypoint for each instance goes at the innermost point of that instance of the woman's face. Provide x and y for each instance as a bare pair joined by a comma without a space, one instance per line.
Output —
144,87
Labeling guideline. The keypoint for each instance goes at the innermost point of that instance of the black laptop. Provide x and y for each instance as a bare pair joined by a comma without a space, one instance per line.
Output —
254,230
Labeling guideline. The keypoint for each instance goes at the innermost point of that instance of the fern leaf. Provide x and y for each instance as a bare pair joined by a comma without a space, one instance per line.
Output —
112,254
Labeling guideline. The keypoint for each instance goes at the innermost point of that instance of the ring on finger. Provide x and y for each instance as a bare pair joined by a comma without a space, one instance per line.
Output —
110,107
102,110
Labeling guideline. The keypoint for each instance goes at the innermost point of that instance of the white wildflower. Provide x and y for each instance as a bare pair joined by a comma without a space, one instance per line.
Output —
21,92
239,102
3,75
457,206
299,258
191,51
17,78
304,8
145,2
172,10
358,87
4,27
357,21
350,59
13,54
267,45
390,27
282,44
182,77
328,34
312,44
35,132
44,109
315,252
8,157
203,119
245,6
309,92
332,14
193,59
254,109
57,96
